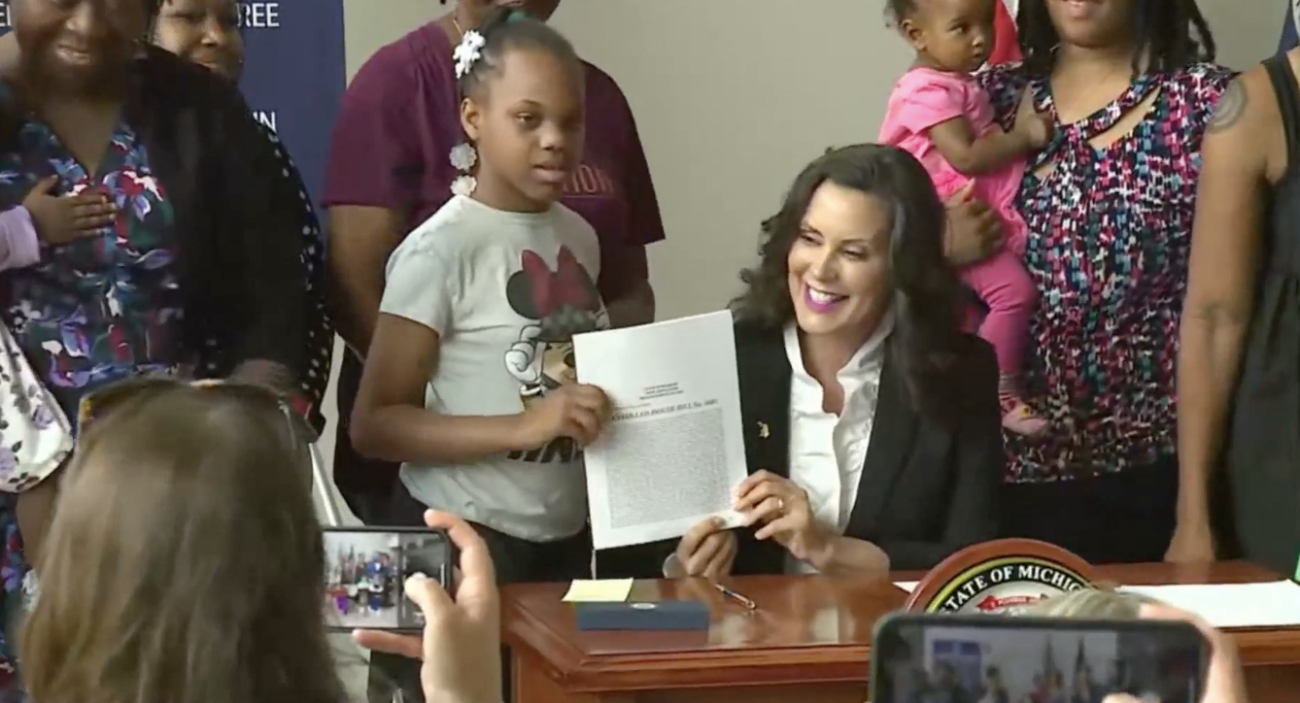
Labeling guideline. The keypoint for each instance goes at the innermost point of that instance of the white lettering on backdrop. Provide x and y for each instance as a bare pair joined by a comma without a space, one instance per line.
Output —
267,118
259,15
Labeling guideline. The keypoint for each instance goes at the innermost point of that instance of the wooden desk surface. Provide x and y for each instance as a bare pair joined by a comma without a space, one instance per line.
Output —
807,630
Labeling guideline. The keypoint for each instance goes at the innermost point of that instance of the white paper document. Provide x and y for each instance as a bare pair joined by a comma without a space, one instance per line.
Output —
673,452
1269,604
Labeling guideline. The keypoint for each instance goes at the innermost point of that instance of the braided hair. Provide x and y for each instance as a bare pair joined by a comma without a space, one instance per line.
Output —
509,28
1162,28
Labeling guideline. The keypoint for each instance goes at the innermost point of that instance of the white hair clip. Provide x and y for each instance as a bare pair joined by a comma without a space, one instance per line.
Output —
467,52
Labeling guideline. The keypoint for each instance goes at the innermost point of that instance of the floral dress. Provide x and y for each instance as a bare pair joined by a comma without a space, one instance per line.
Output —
94,311
1109,235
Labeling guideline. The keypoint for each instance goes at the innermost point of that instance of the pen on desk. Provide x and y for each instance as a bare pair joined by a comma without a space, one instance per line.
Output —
728,593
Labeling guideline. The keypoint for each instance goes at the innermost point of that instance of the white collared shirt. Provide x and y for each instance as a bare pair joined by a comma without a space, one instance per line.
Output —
827,451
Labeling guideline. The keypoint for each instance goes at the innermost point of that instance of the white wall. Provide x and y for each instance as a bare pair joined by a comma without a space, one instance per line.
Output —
733,97
364,544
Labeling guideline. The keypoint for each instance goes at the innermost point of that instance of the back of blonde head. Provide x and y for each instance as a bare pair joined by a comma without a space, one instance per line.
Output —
184,563
1089,604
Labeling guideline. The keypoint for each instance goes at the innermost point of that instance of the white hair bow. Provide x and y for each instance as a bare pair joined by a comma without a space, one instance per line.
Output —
467,52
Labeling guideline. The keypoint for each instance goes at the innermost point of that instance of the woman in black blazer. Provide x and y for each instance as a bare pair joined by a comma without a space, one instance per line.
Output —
872,425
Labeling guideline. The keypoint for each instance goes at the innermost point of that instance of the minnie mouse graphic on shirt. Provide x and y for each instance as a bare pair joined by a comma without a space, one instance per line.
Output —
561,303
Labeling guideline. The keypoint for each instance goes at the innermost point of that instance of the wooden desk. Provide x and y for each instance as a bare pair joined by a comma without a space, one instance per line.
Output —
809,641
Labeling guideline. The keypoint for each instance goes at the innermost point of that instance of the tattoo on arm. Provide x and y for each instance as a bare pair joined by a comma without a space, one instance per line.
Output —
1231,106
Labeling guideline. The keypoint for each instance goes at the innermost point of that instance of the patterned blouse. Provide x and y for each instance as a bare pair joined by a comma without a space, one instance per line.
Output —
102,309
93,311
1109,233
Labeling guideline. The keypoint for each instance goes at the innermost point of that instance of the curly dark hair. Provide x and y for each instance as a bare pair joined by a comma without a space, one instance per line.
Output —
927,338
1162,28
898,10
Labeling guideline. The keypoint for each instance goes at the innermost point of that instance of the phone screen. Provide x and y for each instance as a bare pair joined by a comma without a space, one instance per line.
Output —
366,570
991,659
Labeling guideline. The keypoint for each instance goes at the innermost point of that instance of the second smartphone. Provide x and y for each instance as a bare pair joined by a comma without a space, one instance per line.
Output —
366,569
919,658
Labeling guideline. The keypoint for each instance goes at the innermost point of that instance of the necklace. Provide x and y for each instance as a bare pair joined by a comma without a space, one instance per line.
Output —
459,31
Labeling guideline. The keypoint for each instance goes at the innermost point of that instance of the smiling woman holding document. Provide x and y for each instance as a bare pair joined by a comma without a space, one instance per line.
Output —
872,424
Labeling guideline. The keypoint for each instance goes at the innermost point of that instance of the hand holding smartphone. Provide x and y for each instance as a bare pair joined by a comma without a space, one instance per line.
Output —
941,658
366,572
461,642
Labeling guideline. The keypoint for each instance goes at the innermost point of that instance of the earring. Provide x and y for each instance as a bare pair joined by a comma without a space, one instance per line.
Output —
464,157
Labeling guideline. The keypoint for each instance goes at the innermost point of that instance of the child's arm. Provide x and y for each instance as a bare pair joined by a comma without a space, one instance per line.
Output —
937,106
390,420
973,155
19,245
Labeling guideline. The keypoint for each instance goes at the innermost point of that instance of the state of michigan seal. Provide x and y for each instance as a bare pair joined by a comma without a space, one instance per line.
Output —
998,577
1005,584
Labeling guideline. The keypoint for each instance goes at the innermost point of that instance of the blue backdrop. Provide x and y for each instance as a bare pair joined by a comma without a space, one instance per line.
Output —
1288,41
294,76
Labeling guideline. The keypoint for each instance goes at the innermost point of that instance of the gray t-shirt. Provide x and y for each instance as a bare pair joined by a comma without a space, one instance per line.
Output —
505,291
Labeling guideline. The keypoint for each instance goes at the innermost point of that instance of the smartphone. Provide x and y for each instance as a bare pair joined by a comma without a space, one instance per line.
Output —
366,569
933,657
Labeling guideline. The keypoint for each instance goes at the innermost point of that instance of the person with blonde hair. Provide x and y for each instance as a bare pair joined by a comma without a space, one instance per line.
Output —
185,564
185,561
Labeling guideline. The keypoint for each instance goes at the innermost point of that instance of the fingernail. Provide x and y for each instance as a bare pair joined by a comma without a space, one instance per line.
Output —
417,578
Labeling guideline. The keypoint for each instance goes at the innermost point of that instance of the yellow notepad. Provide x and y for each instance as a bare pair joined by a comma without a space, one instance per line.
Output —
600,591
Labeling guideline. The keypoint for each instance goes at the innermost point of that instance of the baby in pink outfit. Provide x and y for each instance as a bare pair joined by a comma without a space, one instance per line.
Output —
940,115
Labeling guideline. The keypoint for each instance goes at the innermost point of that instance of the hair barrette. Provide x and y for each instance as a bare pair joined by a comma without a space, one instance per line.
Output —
469,51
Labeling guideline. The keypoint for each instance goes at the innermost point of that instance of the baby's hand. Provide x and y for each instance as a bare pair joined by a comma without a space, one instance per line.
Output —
1036,127
64,219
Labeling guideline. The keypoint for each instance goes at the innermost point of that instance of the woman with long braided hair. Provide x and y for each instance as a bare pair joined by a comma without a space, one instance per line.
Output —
207,32
1109,204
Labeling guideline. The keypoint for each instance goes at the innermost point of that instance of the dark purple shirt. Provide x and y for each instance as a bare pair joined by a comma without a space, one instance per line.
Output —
400,119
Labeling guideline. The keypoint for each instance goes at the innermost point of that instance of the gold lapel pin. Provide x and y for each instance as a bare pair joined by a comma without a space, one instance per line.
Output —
764,431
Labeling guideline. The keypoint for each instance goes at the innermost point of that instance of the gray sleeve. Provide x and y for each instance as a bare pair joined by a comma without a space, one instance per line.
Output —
421,286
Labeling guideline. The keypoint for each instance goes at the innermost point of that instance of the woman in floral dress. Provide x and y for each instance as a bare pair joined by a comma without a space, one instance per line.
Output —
202,265
1109,205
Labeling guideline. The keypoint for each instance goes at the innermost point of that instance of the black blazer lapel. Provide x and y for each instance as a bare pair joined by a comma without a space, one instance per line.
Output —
892,435
764,372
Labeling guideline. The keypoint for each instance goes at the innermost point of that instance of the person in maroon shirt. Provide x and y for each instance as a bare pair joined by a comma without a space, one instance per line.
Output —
390,168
